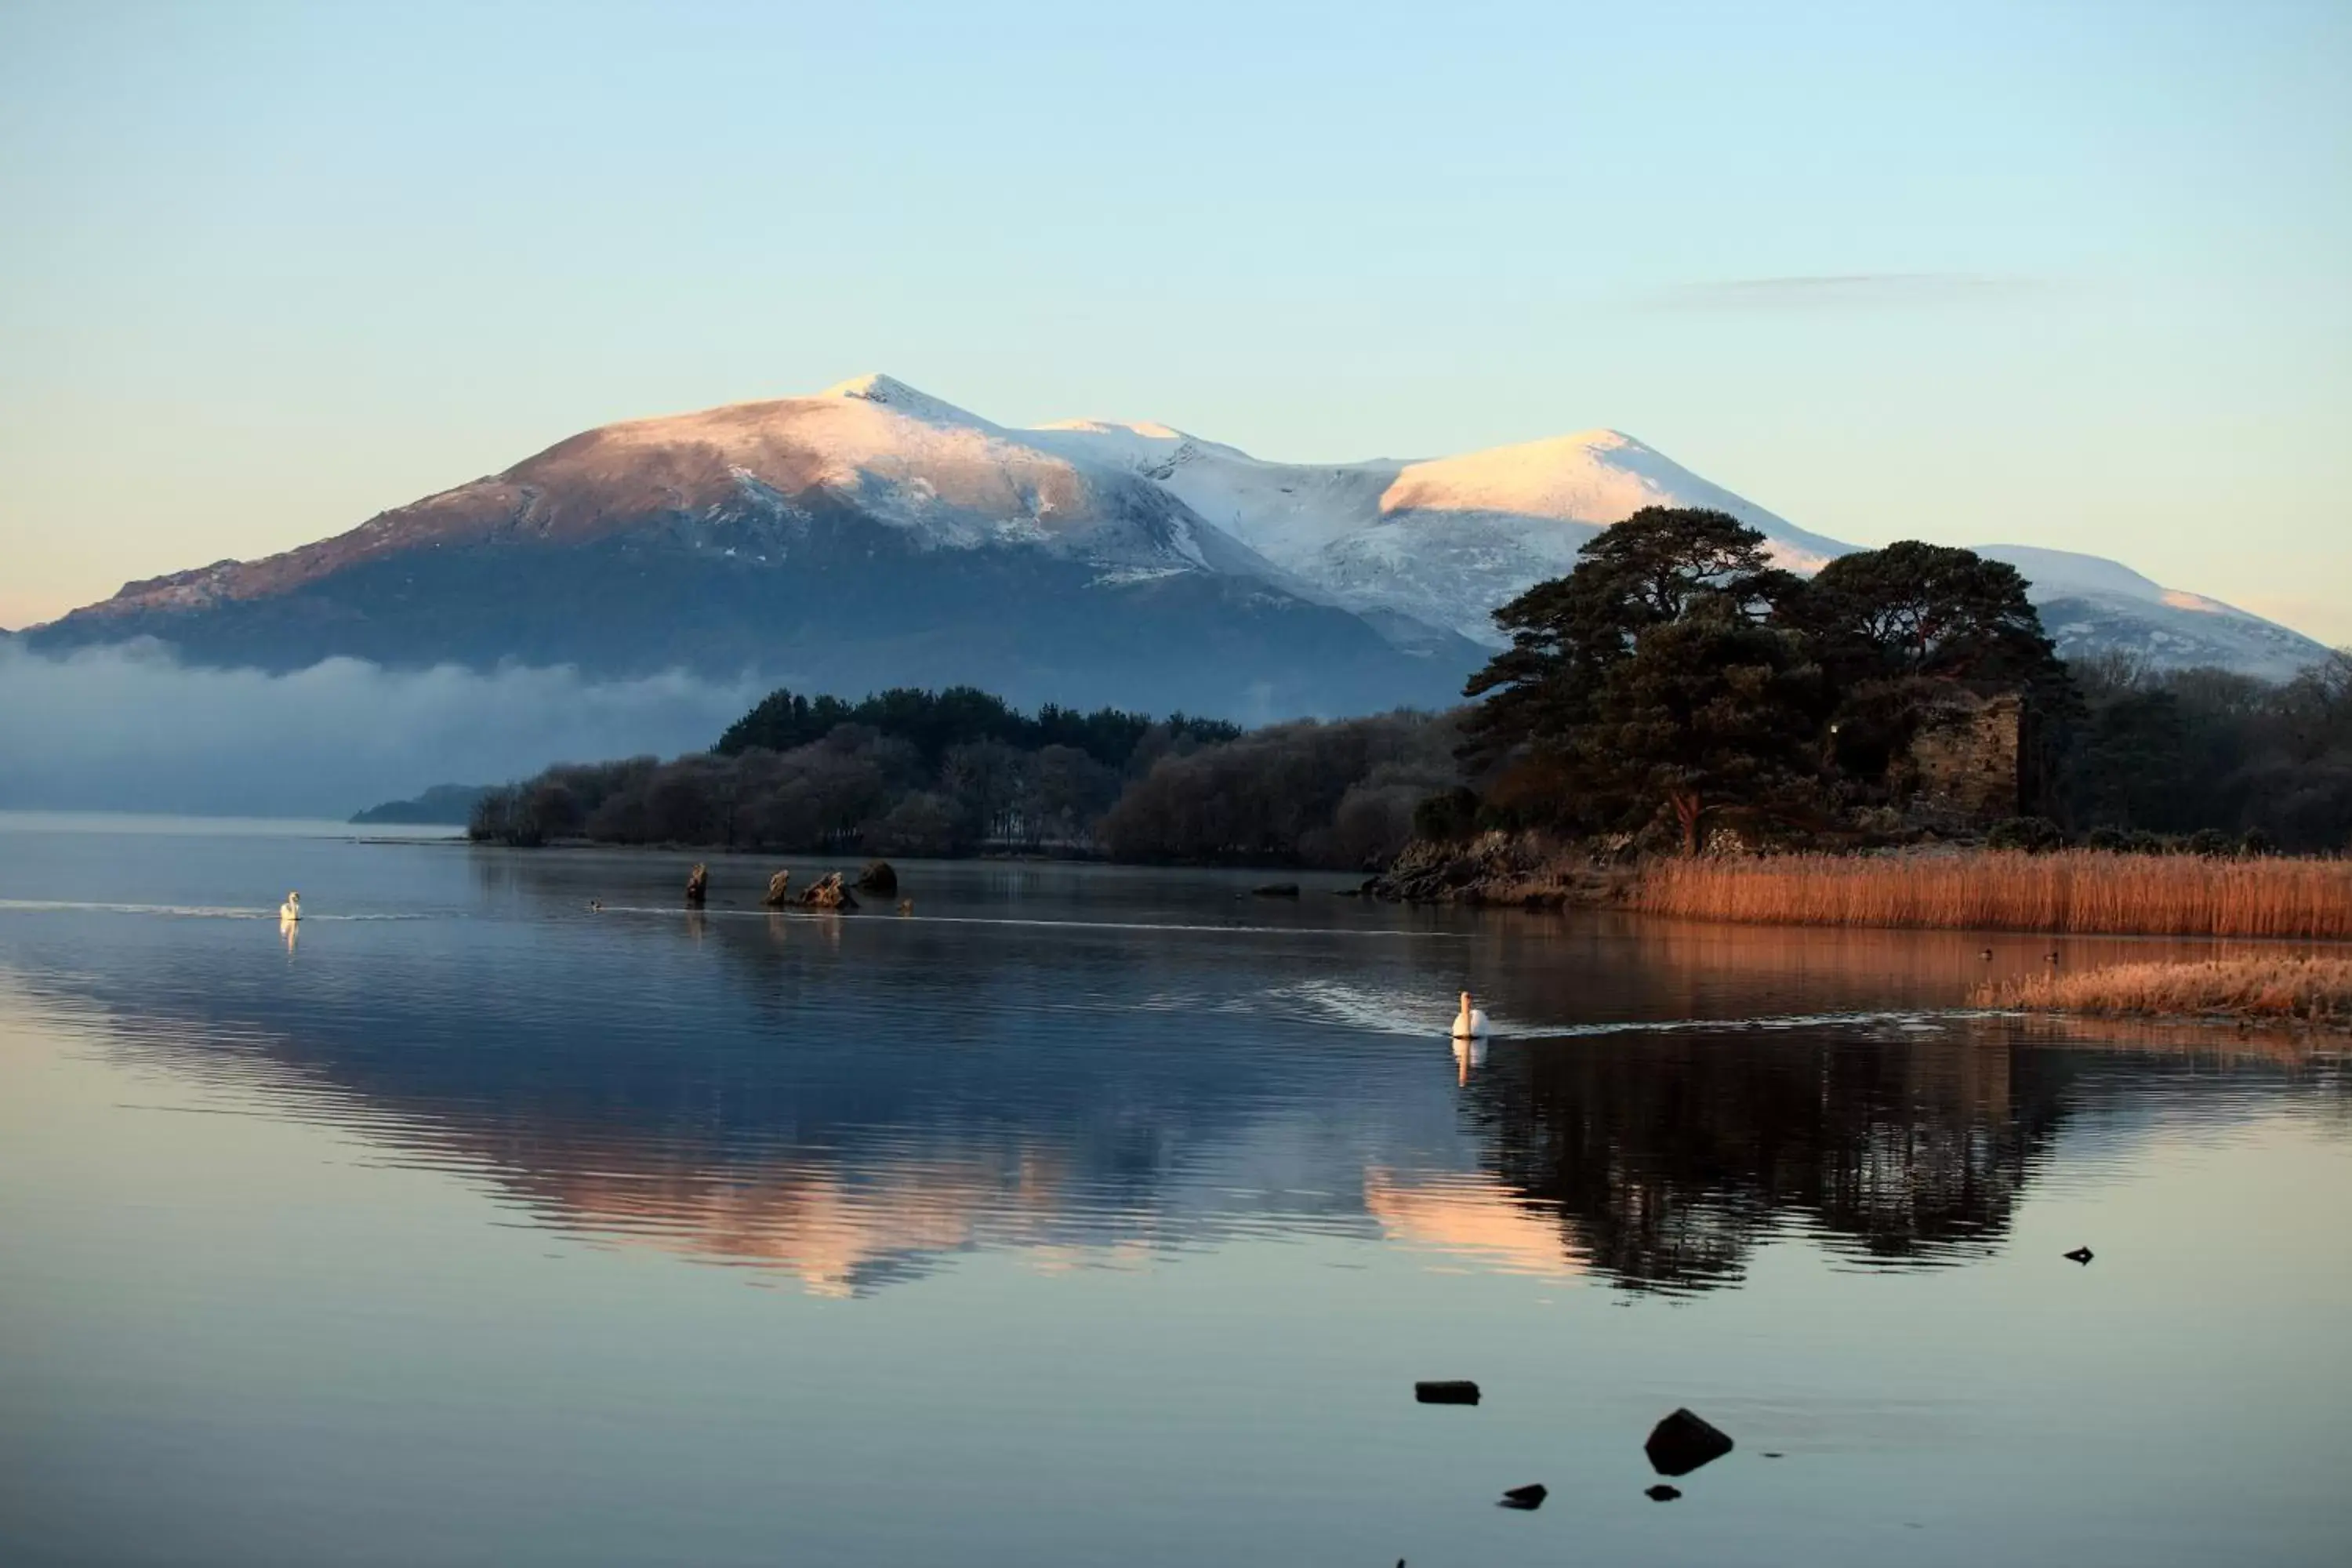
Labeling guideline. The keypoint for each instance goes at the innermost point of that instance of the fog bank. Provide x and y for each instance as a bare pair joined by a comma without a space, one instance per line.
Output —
129,729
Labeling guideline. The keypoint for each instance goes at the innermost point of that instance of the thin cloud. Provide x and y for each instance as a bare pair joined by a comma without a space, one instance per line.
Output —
1847,292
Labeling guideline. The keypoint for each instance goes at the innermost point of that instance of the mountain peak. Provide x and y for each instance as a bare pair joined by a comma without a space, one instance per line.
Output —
896,394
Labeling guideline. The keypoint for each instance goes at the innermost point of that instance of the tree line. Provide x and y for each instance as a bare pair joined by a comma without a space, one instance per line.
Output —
903,772
2168,754
1675,679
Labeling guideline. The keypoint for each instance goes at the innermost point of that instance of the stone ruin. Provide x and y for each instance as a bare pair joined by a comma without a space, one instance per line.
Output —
1968,755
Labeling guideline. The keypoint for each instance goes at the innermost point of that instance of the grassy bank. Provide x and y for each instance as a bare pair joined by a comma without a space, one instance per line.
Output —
2317,990
2079,892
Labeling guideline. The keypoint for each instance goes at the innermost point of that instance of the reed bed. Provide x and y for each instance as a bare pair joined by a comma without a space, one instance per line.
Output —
2317,990
2078,892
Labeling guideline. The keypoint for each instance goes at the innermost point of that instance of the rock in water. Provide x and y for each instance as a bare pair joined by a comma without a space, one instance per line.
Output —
779,887
1276,890
1525,1497
698,885
1663,1492
877,877
2080,1254
827,893
1681,1442
1458,1391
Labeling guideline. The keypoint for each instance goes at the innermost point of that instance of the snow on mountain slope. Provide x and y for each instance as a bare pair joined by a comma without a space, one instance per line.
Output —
732,480
1444,541
2091,605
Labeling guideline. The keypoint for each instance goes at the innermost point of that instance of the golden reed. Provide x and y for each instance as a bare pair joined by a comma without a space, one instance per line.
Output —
2075,892
2317,989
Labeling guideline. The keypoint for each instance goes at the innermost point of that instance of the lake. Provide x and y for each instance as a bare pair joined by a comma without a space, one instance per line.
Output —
1091,1214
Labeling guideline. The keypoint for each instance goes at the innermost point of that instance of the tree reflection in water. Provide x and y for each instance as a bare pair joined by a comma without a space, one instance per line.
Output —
1669,1156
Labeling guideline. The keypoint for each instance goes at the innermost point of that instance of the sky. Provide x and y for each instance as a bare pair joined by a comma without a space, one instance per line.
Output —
2065,275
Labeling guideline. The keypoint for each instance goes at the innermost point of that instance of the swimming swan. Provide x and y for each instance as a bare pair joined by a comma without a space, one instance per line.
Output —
1469,1024
291,909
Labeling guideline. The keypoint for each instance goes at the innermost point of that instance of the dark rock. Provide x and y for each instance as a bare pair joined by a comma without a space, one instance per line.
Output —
1528,869
827,893
1446,1392
780,888
1276,890
698,885
1525,1497
2080,1254
1681,1442
1662,1493
877,877
1773,1455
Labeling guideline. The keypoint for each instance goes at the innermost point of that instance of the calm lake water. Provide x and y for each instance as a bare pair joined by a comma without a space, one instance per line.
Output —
1098,1215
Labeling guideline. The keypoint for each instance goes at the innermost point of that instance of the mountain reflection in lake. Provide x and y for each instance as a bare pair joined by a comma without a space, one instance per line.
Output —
1097,1071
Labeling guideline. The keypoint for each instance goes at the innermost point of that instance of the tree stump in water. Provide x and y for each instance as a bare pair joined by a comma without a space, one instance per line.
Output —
698,885
780,887
827,893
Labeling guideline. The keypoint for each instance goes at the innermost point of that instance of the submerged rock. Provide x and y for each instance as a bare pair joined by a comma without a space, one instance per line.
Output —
780,888
1525,1497
827,893
1662,1493
698,885
1681,1442
1276,890
877,877
1446,1391
2080,1254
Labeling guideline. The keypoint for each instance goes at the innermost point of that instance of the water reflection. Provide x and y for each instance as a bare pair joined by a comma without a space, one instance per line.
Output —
1469,1053
1669,1157
1104,1071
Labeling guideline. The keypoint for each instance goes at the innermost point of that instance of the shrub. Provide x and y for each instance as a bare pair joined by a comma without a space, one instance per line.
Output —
1446,817
2034,835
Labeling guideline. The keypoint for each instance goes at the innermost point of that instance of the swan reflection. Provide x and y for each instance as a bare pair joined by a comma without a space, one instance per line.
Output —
1469,1052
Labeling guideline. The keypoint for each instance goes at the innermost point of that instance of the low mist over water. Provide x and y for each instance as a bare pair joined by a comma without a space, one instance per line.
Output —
120,729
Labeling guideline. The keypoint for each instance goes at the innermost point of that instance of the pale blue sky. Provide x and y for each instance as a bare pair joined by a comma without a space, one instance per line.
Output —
2067,275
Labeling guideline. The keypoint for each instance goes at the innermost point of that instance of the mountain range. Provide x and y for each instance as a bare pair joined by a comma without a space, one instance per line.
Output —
873,535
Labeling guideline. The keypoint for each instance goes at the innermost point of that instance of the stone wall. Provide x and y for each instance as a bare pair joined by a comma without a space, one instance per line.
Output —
1967,754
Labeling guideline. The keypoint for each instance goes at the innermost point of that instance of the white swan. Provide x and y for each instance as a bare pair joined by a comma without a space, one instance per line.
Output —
291,909
1469,1024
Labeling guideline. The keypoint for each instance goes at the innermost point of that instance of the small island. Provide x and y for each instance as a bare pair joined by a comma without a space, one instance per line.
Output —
2309,990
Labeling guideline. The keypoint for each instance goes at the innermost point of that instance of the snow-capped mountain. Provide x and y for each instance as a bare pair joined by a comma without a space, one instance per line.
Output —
1444,542
865,537
2090,604
873,535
